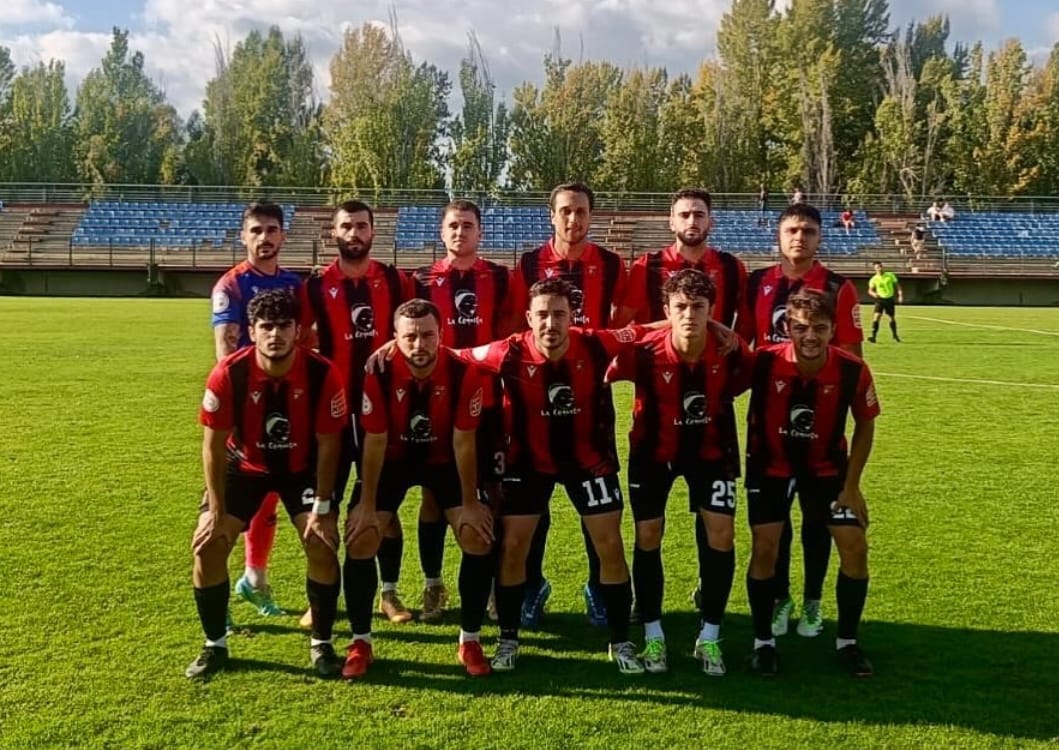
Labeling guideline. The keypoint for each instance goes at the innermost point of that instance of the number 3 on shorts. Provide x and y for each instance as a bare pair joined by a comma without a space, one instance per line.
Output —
723,494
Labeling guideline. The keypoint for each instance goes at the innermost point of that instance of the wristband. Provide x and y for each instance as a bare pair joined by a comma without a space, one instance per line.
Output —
321,506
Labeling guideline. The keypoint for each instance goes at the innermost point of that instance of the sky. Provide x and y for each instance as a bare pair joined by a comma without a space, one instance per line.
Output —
177,37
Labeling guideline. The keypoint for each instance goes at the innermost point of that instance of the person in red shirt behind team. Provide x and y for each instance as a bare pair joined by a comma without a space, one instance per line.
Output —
684,425
801,395
419,419
560,420
799,232
272,414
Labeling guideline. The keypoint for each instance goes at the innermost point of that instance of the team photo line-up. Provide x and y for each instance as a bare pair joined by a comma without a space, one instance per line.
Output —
486,387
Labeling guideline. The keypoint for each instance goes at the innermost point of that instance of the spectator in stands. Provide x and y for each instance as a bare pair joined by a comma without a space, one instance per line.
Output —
919,237
934,211
847,220
948,213
763,206
798,196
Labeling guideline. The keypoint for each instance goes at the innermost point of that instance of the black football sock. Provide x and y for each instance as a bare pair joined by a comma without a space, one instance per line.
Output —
593,558
391,550
717,584
649,580
509,609
475,581
761,594
535,559
816,549
432,547
851,594
617,598
893,327
702,543
360,582
782,576
874,328
212,604
323,601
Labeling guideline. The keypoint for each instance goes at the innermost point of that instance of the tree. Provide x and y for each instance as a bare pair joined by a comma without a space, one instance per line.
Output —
631,135
38,131
126,132
387,116
478,151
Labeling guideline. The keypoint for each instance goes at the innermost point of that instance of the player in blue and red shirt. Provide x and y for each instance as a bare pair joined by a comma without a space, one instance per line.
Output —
799,236
419,417
598,281
684,425
263,236
801,396
559,418
272,414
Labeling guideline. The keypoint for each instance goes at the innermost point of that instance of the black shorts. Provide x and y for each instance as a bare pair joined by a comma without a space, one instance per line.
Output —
527,493
768,500
491,441
885,305
711,487
398,477
244,493
347,460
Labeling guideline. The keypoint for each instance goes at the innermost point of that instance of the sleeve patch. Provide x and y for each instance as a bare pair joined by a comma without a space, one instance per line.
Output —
869,396
366,407
476,403
221,302
625,335
210,402
338,404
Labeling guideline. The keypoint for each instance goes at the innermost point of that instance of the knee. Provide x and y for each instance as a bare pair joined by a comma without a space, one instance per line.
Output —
765,549
318,553
429,512
649,535
364,546
720,534
472,543
853,555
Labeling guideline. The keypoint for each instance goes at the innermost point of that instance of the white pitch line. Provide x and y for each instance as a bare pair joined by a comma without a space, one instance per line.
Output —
973,381
982,325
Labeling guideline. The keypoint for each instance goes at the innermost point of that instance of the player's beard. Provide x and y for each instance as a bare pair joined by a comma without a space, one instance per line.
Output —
420,360
691,242
353,251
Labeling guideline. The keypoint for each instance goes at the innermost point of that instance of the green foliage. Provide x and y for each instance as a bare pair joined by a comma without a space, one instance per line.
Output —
36,139
478,152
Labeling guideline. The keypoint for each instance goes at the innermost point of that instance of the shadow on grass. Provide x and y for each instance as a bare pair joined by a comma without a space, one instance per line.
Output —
1004,683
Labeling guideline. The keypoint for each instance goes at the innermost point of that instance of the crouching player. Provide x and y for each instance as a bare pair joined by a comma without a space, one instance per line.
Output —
419,419
801,394
272,414
684,425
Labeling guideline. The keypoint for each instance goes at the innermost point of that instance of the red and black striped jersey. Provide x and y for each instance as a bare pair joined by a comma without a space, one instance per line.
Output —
796,425
651,270
473,303
766,300
599,279
683,411
353,317
419,416
274,421
559,415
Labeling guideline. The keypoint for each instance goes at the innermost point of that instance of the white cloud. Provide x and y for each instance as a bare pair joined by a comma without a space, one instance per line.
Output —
23,12
1053,26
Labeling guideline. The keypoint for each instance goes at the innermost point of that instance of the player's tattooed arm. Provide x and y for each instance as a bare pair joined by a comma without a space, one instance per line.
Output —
225,339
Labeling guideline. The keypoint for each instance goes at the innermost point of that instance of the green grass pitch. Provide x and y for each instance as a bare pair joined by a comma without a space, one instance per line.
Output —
100,477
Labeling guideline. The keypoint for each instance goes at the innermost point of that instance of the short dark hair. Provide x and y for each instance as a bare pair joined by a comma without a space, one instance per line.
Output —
273,305
573,187
462,204
813,301
415,309
693,194
690,282
354,207
263,210
553,288
800,211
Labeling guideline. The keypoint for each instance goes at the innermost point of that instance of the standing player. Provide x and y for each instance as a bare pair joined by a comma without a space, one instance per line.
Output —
598,278
799,232
470,293
560,422
263,236
683,426
419,419
272,414
802,393
883,286
690,221
351,305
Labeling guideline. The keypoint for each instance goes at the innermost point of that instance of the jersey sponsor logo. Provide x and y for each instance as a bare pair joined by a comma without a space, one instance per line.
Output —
531,370
400,394
338,404
549,272
766,290
333,291
466,310
277,433
667,376
221,302
475,408
366,406
210,402
780,385
255,396
440,281
561,401
800,423
363,318
694,410
779,331
420,429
